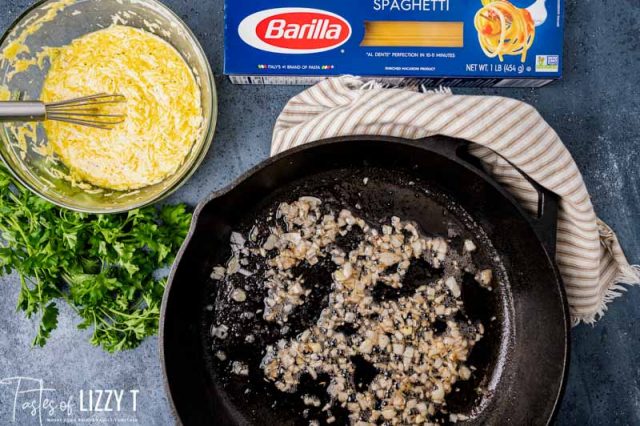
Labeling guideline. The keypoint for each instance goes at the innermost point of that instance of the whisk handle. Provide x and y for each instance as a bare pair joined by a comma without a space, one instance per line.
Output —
22,111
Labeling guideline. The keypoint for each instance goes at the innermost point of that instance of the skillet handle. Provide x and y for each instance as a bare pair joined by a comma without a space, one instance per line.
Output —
545,224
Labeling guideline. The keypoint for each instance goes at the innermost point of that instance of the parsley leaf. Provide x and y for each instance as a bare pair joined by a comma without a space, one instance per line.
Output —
48,323
103,266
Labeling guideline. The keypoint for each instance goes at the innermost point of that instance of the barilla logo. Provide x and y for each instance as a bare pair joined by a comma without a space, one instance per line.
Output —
295,30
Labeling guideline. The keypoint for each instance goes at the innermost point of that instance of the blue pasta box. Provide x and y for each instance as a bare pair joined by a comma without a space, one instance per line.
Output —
455,43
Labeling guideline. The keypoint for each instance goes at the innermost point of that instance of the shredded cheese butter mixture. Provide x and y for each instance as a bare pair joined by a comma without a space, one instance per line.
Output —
18,53
163,108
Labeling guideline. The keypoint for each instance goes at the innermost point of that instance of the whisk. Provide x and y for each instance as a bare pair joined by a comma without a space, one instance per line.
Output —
91,111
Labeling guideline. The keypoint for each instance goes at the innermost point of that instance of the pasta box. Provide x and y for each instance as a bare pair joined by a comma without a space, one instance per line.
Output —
457,43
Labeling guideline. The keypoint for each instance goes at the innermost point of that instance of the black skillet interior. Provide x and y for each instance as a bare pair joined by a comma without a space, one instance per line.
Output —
522,360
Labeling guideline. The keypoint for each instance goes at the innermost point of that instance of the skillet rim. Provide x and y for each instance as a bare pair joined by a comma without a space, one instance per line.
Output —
417,143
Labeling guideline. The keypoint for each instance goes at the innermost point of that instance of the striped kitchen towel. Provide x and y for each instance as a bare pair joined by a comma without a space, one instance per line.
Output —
589,256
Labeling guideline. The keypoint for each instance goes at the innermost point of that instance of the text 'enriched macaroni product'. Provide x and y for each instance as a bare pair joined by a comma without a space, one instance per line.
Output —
457,43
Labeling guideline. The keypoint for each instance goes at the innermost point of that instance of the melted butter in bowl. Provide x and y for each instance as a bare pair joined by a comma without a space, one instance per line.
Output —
163,110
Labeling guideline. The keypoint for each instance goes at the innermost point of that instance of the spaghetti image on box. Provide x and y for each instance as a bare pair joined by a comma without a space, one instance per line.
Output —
504,29
414,34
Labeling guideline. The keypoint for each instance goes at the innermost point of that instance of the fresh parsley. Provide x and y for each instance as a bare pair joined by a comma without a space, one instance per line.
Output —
104,266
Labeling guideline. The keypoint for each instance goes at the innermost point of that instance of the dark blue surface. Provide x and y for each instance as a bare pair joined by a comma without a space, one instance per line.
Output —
596,110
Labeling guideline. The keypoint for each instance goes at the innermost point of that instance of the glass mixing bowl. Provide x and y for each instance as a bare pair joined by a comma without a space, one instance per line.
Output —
70,22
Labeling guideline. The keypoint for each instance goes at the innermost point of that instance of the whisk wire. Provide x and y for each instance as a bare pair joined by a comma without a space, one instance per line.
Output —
87,111
99,96
91,111
80,114
86,123
89,103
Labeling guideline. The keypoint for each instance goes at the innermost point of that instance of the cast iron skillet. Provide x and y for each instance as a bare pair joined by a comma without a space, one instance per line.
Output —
522,361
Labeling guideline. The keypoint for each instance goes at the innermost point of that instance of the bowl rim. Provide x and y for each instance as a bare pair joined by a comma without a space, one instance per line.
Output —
206,137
